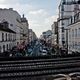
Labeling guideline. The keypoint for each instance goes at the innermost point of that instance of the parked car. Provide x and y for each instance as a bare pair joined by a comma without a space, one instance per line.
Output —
44,52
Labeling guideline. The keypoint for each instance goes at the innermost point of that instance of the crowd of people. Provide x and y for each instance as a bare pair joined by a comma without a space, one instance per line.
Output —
26,49
56,50
22,49
16,51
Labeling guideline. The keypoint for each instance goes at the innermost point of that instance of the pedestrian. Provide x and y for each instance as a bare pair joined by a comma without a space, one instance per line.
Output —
60,50
53,50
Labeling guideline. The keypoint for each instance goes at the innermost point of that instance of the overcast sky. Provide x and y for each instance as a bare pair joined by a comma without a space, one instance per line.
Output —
40,13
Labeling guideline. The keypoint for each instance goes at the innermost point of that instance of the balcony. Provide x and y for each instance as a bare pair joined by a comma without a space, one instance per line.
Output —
74,19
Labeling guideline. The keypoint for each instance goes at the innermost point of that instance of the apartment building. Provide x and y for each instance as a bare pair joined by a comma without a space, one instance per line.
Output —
25,27
7,37
74,33
47,36
67,8
55,36
14,19
16,23
32,35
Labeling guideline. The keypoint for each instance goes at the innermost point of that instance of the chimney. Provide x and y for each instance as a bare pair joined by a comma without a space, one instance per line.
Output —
23,15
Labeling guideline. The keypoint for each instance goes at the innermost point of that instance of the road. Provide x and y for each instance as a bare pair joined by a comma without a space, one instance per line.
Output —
36,49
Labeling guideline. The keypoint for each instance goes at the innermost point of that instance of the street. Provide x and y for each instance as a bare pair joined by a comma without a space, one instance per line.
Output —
35,48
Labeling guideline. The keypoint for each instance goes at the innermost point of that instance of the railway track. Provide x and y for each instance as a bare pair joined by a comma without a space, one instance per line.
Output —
14,68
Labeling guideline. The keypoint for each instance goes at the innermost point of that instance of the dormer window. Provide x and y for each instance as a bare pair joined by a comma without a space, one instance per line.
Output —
11,24
5,23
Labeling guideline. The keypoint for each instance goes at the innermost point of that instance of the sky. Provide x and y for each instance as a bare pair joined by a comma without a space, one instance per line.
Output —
39,13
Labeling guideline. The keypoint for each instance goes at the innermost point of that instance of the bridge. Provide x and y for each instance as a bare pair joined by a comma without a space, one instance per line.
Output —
19,68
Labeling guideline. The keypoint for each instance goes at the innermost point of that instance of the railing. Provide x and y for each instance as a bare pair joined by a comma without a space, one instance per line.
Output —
27,67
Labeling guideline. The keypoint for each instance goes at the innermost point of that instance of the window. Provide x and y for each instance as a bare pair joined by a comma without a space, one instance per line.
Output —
9,37
63,1
79,33
7,46
62,13
75,32
69,33
2,36
3,48
6,36
63,37
10,46
62,29
78,45
70,20
62,8
75,45
72,33
13,37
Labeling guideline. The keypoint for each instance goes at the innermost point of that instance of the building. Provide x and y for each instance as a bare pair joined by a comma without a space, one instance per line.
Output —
32,35
14,19
25,27
74,33
16,23
7,37
47,36
67,8
54,27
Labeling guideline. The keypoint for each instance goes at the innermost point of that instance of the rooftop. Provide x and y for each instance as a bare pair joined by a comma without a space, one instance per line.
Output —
4,27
